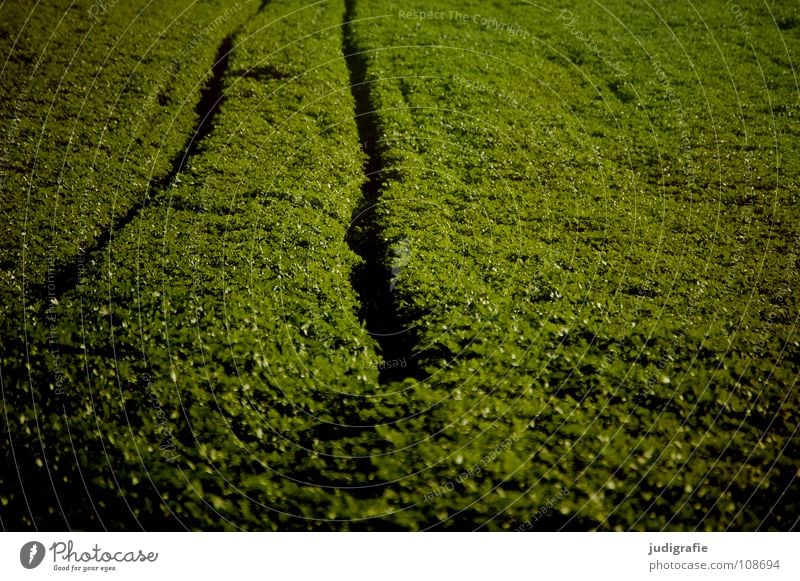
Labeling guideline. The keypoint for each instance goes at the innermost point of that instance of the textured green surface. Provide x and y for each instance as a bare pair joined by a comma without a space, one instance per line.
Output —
587,219
600,246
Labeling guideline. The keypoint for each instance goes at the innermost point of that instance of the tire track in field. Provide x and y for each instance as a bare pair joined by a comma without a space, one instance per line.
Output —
373,278
67,275
31,485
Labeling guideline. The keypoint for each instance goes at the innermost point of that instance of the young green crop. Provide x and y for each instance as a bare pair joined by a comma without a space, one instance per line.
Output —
96,105
208,370
584,222
593,214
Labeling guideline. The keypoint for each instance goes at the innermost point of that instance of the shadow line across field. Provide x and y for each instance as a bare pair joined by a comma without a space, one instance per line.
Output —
372,278
68,274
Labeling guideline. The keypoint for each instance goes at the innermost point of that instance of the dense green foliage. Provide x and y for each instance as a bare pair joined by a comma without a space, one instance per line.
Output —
221,302
601,249
588,220
94,109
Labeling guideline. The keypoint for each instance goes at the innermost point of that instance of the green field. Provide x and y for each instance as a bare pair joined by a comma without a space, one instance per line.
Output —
351,265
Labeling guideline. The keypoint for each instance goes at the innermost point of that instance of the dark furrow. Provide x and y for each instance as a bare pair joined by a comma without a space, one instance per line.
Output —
373,279
67,276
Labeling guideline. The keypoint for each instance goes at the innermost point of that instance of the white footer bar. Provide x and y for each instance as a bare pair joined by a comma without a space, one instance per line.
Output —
401,556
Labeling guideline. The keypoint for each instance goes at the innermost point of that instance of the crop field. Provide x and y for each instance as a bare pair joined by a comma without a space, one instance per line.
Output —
349,265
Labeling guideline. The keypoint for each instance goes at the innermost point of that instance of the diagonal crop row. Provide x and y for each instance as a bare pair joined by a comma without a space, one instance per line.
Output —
211,370
97,107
